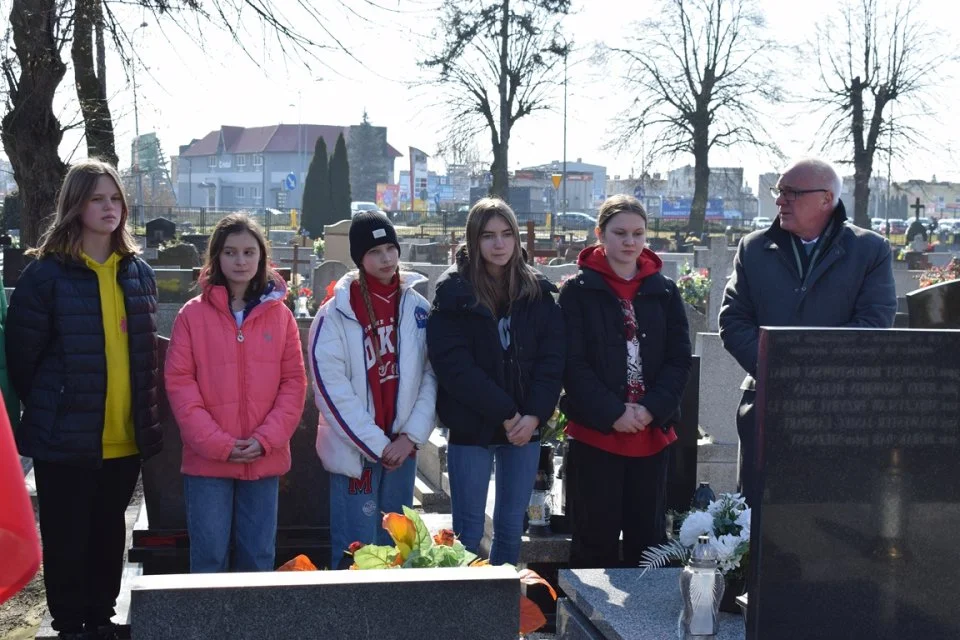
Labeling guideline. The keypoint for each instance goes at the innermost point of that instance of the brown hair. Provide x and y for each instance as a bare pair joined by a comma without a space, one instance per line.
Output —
618,204
371,315
238,223
64,236
519,279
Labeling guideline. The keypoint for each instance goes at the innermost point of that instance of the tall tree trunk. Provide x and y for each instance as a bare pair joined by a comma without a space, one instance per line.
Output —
31,133
500,186
701,180
863,167
91,90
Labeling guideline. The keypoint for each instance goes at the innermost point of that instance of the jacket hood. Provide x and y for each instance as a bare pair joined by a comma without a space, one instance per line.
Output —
341,291
215,294
595,257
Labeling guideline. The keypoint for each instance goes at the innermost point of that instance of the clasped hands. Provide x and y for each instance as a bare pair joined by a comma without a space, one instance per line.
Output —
396,453
520,428
635,419
245,451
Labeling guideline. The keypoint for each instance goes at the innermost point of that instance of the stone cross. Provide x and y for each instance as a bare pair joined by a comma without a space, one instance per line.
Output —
718,260
917,207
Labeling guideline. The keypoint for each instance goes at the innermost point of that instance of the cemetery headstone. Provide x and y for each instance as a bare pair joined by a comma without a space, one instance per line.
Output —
855,536
718,260
336,241
160,230
323,274
935,307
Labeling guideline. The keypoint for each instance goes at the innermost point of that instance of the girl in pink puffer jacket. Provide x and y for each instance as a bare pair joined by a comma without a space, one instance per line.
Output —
236,382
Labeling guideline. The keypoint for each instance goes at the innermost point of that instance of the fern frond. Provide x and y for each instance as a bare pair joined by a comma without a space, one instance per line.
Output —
658,557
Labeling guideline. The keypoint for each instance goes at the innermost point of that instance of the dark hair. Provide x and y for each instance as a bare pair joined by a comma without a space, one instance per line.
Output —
618,204
520,279
64,236
237,223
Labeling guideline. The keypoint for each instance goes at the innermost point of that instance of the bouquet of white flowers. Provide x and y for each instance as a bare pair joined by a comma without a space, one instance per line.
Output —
726,521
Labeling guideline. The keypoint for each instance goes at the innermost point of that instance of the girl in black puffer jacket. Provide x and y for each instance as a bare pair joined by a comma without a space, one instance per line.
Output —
82,349
628,359
495,339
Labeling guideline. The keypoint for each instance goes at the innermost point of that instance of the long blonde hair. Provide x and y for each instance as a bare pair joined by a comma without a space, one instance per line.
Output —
519,280
64,236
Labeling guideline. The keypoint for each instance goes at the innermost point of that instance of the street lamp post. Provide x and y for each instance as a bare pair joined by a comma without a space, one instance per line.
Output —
138,198
563,204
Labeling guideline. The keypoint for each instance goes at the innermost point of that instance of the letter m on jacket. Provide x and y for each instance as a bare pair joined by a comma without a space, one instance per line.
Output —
363,484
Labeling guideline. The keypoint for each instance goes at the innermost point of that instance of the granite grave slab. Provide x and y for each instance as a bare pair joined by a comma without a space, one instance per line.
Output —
627,604
855,536
408,604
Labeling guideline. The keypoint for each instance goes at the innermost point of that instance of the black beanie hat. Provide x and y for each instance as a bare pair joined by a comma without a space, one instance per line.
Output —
368,230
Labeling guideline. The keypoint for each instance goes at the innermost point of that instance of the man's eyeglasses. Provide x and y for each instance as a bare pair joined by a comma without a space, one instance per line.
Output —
792,194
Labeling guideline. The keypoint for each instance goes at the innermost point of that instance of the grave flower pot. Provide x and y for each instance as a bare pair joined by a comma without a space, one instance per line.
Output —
734,586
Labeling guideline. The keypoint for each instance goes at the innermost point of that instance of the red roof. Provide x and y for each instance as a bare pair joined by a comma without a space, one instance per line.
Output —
272,139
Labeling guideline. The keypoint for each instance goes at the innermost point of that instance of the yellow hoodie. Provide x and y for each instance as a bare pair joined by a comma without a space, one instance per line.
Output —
118,438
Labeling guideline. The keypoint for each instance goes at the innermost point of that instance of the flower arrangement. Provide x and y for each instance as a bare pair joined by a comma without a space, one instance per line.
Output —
694,286
296,289
936,275
727,522
414,547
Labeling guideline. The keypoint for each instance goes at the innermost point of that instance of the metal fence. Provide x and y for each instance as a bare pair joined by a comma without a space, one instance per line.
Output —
202,220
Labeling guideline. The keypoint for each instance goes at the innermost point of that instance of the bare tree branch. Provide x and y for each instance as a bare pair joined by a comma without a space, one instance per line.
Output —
885,56
514,45
701,71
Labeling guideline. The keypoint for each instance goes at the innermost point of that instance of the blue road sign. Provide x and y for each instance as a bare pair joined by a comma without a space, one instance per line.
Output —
290,182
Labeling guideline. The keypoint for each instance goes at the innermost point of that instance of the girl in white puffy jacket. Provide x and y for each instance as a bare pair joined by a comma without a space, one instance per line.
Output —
373,386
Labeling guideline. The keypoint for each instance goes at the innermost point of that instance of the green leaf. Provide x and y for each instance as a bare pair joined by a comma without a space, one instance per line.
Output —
372,556
424,540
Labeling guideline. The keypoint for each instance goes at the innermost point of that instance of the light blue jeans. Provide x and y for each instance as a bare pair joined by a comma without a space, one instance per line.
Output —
223,512
516,470
357,505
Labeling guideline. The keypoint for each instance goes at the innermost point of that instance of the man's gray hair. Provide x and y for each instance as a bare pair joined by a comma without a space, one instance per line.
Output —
824,173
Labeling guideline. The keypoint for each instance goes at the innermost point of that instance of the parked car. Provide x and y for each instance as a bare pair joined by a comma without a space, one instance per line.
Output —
948,225
898,225
576,220
878,224
762,222
358,205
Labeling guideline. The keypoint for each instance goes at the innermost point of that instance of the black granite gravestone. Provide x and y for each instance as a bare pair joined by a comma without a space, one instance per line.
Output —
935,307
160,230
855,536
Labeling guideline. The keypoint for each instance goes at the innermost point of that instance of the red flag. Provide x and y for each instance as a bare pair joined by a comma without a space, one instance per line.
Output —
19,546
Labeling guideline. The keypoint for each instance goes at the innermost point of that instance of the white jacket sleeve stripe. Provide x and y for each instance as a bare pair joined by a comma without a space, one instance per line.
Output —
358,442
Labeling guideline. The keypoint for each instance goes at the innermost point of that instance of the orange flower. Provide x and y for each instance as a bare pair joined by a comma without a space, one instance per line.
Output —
300,563
402,530
445,537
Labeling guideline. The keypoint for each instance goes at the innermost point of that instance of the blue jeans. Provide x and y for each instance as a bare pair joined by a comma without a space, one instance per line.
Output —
222,512
469,468
357,505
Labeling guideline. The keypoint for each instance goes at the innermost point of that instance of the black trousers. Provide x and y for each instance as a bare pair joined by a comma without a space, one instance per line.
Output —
749,476
83,531
608,493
